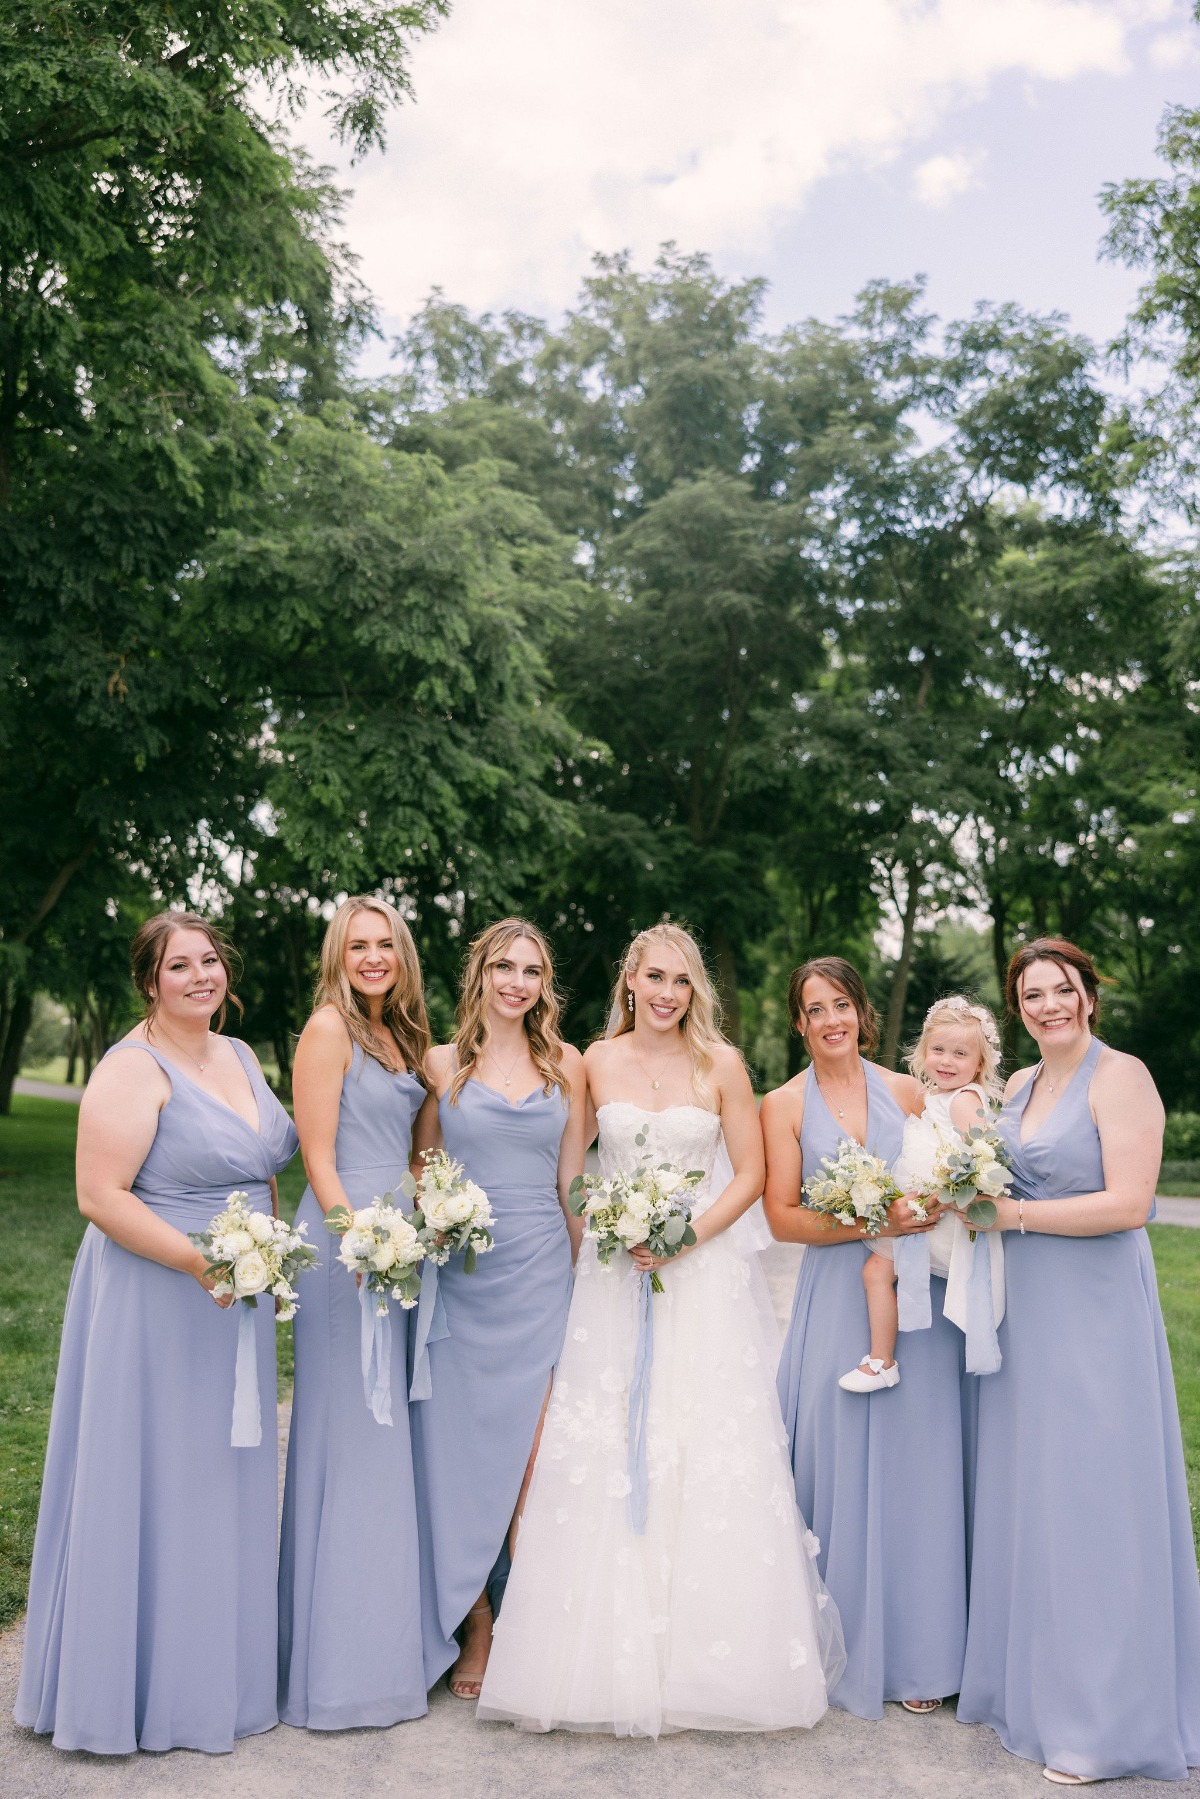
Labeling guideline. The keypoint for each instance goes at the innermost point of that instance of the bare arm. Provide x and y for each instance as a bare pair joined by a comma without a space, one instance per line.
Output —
1129,1117
427,1126
118,1119
573,1148
323,1056
744,1141
791,1221
967,1109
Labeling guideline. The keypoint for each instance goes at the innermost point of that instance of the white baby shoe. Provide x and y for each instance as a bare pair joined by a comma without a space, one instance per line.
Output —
870,1375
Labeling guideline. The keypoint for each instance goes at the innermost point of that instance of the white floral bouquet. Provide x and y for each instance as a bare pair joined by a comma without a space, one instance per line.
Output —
971,1171
644,1205
382,1245
854,1188
251,1253
452,1212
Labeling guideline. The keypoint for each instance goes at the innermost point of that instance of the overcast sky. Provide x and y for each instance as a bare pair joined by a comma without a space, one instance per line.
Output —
817,142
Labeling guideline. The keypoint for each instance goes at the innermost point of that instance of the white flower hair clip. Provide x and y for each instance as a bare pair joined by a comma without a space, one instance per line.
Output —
956,1003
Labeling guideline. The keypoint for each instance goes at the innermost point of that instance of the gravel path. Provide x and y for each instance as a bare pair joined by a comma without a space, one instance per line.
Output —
447,1755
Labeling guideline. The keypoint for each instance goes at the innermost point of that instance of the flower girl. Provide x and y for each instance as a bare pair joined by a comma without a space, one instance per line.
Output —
958,1059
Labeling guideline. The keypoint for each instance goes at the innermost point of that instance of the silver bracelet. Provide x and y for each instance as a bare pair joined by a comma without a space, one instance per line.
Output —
1021,1214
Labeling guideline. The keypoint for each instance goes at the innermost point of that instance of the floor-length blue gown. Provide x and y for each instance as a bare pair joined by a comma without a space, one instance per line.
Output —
879,1476
489,1376
1083,1650
350,1649
151,1617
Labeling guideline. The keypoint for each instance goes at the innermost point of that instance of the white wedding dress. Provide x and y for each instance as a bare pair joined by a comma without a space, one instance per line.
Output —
715,1618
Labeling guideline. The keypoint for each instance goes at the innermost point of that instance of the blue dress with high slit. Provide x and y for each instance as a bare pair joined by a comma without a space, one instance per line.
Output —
1083,1650
489,1375
879,1476
151,1620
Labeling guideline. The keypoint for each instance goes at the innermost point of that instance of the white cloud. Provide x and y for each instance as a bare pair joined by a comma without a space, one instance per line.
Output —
942,178
1174,49
547,129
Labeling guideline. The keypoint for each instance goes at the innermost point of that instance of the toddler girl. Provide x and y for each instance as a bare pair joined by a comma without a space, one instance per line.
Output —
958,1059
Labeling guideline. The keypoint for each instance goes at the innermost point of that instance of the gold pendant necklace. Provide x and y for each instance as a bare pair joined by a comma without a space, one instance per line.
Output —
674,1055
507,1078
833,1107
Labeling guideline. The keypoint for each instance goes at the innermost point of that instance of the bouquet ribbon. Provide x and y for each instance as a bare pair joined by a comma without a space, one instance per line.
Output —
639,1410
911,1263
247,1413
431,1328
983,1346
375,1339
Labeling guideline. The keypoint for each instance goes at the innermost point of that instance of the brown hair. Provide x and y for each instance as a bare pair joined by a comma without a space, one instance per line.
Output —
149,948
845,977
540,1022
1065,955
404,1012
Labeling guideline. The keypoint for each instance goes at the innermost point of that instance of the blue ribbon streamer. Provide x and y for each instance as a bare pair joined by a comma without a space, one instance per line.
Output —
983,1346
246,1432
432,1327
912,1283
376,1342
639,1410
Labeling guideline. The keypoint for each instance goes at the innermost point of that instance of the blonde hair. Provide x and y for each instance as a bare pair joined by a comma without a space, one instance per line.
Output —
404,1012
960,1012
540,1022
700,1025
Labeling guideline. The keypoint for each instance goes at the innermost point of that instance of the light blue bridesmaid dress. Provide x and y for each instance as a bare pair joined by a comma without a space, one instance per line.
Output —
1083,1650
489,1376
152,1598
879,1476
349,1582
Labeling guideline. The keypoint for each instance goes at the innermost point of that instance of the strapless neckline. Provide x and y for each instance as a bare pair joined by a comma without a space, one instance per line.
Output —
631,1106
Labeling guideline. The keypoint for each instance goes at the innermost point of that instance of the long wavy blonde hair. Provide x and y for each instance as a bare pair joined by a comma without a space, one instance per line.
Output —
404,1012
700,1026
961,1013
541,1020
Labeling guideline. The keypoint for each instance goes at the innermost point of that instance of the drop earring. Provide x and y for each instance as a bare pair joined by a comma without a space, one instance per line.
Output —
629,1001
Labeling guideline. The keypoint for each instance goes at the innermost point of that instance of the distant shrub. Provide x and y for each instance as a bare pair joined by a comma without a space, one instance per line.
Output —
1181,1140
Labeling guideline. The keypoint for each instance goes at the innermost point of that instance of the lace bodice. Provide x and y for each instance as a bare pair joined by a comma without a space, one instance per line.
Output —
684,1135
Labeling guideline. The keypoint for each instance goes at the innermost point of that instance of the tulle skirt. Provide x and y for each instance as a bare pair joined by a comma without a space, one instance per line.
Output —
715,1617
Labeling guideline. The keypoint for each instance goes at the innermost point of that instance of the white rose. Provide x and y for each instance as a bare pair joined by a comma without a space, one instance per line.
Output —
669,1180
984,1153
993,1180
383,1255
458,1207
630,1229
353,1246
476,1195
364,1220
403,1235
261,1228
436,1213
638,1206
865,1193
250,1274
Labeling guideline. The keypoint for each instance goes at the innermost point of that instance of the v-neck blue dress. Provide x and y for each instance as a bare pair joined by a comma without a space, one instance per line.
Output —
1083,1650
151,1617
879,1476
489,1376
350,1649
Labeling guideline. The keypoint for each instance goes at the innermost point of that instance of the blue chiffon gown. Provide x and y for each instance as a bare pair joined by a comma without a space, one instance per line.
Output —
489,1376
879,1476
151,1617
1083,1650
349,1581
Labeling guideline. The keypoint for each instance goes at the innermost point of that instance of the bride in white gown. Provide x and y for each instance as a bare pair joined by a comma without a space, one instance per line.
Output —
714,1618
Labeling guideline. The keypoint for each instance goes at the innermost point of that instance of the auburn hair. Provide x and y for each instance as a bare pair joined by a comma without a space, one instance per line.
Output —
1066,955
540,1021
404,1012
148,951
845,977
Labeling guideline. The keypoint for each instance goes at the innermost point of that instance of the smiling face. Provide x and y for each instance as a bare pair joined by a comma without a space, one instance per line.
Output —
371,961
952,1056
661,987
829,1023
513,982
191,982
1054,1006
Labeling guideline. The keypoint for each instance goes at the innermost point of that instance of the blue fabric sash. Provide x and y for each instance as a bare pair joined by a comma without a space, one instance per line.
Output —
432,1327
246,1432
983,1346
639,1409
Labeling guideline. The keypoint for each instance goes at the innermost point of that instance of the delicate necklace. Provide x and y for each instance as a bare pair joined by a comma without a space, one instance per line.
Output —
840,1110
1052,1084
186,1052
489,1051
671,1057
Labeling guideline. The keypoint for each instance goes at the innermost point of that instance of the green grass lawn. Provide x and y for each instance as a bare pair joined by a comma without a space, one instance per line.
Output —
40,1228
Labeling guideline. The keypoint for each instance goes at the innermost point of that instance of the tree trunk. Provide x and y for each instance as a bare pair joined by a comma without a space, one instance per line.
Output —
727,986
895,1013
1008,1024
20,1017
72,1051
283,1050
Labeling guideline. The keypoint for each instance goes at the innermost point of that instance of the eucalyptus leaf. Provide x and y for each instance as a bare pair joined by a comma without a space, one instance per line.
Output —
981,1213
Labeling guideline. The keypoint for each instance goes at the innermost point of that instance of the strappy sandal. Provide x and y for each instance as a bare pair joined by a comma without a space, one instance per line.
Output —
920,1706
468,1689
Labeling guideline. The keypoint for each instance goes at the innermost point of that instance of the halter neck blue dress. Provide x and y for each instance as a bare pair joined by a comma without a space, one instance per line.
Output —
146,1510
879,1476
1083,1650
349,1581
489,1376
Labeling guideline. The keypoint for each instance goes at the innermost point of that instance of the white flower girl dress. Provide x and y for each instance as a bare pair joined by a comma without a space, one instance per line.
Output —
715,1617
